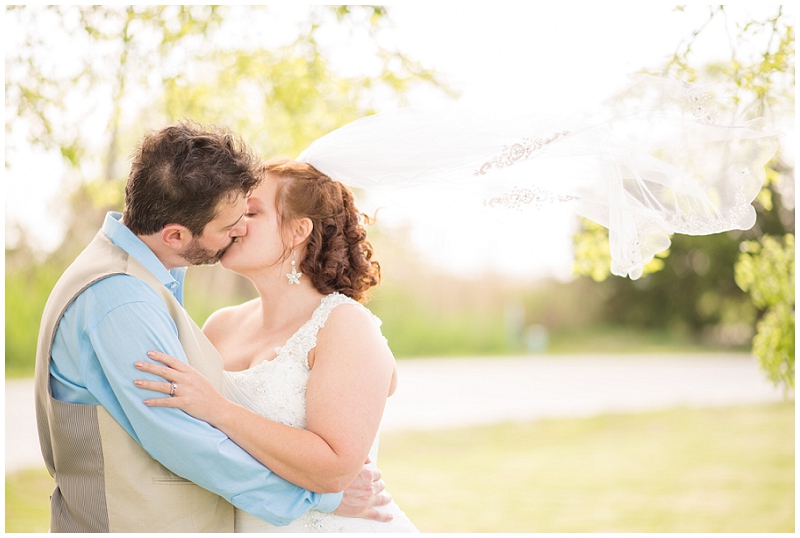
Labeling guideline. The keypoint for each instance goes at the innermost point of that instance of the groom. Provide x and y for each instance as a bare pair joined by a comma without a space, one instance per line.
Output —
117,465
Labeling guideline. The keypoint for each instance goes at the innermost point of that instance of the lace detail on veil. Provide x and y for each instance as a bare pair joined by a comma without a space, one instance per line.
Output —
700,103
533,196
515,152
659,157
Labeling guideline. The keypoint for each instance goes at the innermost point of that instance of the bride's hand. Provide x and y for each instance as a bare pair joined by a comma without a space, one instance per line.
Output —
187,388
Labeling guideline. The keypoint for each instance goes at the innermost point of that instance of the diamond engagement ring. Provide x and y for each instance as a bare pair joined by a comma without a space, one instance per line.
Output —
174,388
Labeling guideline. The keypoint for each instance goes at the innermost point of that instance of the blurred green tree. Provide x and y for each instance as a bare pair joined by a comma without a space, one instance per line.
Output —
766,271
693,286
130,68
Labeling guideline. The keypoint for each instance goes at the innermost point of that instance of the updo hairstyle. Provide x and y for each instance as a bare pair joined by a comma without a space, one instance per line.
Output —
338,256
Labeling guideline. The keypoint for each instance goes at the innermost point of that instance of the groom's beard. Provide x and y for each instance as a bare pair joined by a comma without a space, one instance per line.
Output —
198,255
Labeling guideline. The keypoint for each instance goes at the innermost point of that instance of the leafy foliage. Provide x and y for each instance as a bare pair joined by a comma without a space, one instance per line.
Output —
114,49
766,272
187,61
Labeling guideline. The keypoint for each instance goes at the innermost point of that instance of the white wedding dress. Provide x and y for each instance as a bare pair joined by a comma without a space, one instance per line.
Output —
276,389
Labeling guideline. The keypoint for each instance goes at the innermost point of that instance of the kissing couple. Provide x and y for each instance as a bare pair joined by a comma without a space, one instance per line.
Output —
266,420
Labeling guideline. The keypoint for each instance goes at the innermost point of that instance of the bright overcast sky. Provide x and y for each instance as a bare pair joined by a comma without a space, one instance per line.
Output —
555,56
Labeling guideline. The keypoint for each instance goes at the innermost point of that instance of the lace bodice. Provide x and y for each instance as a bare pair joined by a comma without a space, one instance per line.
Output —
276,389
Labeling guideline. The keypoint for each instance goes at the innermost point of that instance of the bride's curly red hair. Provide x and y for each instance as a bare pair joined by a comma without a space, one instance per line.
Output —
338,255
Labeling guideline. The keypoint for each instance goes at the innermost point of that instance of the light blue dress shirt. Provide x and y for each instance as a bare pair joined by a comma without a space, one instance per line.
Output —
114,323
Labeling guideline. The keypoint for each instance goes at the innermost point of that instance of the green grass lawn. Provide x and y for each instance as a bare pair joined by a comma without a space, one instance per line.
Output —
708,470
685,470
28,501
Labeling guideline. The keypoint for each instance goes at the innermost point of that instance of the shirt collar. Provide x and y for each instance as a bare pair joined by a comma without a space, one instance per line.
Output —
121,236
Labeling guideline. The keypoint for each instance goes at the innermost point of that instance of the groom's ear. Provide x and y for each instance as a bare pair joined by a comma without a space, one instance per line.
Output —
176,236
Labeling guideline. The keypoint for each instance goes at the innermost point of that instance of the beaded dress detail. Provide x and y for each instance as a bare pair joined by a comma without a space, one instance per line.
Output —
276,389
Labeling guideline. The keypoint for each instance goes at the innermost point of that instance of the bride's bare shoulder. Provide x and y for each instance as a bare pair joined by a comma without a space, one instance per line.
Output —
351,322
220,322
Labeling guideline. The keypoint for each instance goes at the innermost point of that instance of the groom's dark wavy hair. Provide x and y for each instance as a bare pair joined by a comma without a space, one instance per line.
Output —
182,172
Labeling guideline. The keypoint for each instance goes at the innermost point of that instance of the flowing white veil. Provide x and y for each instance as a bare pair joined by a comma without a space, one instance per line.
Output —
660,157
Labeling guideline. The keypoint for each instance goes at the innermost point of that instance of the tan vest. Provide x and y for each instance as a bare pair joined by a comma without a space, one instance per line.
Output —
105,482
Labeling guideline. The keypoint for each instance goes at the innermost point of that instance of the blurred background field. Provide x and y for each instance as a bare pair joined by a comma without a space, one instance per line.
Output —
432,314
727,469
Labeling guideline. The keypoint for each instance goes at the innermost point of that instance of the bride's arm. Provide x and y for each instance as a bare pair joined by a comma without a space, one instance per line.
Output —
347,390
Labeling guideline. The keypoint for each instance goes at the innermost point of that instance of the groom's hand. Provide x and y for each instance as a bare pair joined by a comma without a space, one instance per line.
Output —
363,495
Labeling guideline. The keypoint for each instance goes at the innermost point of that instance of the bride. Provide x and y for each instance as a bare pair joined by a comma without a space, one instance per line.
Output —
307,369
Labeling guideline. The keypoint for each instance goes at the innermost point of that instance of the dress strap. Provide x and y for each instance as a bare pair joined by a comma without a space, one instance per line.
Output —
328,303
305,339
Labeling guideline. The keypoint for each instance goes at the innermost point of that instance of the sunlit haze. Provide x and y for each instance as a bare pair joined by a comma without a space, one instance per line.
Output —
550,57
